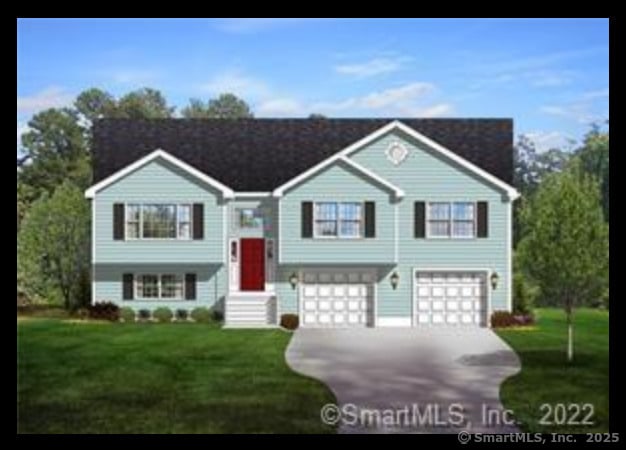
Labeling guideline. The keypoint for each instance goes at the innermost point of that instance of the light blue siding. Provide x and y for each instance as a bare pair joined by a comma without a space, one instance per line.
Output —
210,284
424,176
427,176
339,182
159,182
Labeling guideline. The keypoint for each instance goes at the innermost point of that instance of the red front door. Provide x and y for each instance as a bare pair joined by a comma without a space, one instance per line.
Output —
252,264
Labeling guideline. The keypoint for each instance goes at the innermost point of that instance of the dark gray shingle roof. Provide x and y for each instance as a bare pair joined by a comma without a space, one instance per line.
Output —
262,154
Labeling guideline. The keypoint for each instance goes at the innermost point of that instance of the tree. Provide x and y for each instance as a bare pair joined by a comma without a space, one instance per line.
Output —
53,246
594,160
58,151
530,167
94,104
226,106
566,247
144,103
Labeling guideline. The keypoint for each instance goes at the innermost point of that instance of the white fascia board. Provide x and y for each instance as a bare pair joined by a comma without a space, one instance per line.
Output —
225,190
368,173
252,194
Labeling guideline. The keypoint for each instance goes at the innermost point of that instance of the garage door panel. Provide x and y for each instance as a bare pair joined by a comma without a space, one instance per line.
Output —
454,298
337,299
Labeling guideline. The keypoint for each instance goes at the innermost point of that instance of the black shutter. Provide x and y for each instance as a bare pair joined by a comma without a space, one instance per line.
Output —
198,221
420,219
118,221
482,220
127,288
307,219
190,286
370,219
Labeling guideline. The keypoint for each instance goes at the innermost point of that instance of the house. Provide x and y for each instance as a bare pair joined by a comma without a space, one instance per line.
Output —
345,222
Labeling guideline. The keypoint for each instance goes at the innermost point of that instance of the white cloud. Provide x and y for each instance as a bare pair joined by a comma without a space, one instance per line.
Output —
546,140
236,83
549,78
280,107
592,95
376,66
51,97
22,127
406,100
577,112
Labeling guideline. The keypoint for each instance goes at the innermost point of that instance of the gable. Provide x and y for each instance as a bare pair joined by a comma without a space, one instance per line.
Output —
156,180
423,169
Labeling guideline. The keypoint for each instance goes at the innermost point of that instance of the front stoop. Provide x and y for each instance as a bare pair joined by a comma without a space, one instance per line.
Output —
250,311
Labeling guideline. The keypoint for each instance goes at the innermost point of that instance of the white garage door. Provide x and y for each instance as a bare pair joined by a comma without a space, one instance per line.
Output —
450,298
337,298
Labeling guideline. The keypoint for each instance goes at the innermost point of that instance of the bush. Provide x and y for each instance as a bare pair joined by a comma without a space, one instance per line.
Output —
218,316
144,315
82,313
503,319
524,295
201,315
289,321
105,311
163,315
182,315
127,314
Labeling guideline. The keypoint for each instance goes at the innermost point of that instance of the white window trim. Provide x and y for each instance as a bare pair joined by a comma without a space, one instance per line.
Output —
141,238
159,298
339,236
452,236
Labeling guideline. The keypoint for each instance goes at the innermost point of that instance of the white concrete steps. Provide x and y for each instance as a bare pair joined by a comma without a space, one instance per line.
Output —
250,311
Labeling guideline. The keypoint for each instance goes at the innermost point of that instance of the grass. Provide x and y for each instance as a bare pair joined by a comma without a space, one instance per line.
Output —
95,377
547,377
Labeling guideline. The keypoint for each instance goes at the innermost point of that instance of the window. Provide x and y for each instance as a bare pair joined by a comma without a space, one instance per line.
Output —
171,286
439,219
250,218
338,219
159,287
463,220
184,221
133,213
158,221
148,286
451,220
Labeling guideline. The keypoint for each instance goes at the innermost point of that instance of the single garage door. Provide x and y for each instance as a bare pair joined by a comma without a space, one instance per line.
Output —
450,298
337,298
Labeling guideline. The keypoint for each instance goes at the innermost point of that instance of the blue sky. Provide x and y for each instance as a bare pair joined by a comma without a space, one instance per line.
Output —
550,76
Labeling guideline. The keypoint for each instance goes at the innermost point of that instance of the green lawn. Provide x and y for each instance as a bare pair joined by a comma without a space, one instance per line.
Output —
94,377
547,377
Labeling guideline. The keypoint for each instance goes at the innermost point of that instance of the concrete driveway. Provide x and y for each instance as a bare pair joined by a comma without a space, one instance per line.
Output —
424,380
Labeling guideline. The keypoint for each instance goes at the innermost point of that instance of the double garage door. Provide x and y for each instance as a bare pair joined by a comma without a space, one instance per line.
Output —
345,298
337,298
450,298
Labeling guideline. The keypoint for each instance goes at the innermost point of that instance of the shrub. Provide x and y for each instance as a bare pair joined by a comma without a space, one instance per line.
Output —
182,315
524,295
105,311
82,313
522,320
201,315
501,319
163,315
289,321
127,314
144,315
217,315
